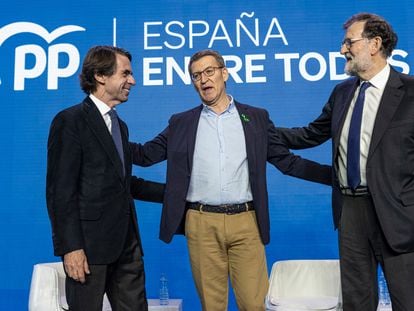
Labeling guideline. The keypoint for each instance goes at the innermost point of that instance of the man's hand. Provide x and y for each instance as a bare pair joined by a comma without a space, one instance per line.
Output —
76,265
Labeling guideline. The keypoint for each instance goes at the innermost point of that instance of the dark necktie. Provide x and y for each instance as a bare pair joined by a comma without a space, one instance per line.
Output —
354,138
116,136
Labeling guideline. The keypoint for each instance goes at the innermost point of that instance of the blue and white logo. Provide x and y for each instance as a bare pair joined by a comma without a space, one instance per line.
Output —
43,59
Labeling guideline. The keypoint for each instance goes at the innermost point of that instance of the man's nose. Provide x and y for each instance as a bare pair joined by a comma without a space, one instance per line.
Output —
131,80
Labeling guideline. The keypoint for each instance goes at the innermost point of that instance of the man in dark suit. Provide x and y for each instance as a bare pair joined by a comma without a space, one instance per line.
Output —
89,190
373,180
216,188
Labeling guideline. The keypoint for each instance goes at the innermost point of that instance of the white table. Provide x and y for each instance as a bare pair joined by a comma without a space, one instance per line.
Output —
153,305
173,305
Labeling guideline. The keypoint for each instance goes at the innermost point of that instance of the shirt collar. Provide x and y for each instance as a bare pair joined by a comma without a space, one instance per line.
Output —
380,79
102,107
230,108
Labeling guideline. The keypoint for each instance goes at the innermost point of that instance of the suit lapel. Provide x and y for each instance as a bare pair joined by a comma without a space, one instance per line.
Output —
125,145
191,131
390,101
248,123
348,94
99,128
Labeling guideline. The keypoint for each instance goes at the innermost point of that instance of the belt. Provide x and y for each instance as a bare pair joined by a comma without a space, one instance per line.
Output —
359,191
228,209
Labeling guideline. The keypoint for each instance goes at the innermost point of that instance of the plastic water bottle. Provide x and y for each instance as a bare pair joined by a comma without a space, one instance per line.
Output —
384,296
163,290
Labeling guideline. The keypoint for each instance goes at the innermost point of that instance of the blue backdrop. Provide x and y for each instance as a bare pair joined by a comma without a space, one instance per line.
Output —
282,55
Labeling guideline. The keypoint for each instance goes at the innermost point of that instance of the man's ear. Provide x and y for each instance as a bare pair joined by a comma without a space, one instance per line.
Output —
376,45
100,78
225,73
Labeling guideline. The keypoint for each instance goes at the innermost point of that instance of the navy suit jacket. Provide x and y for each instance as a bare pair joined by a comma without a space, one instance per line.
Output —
390,163
88,198
176,145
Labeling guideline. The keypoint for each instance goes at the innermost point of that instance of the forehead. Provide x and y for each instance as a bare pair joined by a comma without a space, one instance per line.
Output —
355,30
204,62
122,62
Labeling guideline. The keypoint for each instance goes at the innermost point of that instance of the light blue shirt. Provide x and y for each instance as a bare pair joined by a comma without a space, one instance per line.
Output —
220,173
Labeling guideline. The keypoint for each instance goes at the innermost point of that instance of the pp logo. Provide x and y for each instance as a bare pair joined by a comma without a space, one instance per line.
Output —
43,59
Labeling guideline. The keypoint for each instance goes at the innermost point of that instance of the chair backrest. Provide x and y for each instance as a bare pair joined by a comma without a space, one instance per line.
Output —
304,285
47,289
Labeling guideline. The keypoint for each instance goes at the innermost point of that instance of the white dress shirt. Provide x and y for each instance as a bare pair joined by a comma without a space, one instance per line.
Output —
104,110
220,173
373,96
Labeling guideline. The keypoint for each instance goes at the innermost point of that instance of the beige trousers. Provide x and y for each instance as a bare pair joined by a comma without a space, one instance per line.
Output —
223,246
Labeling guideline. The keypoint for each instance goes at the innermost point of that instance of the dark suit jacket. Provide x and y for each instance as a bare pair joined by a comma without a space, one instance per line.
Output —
390,164
88,198
176,144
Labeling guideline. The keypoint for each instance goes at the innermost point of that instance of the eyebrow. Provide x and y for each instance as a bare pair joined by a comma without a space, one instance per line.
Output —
209,66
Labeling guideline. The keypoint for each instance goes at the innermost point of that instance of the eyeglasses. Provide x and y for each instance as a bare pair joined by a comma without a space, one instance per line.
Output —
348,42
209,71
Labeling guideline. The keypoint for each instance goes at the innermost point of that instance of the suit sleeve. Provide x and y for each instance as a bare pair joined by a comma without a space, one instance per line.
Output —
63,170
151,152
315,133
145,190
290,164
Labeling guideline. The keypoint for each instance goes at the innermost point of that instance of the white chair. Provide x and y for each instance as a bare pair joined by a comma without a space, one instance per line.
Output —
311,285
47,289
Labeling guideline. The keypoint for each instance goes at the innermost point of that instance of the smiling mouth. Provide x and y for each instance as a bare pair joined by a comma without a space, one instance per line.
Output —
348,57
